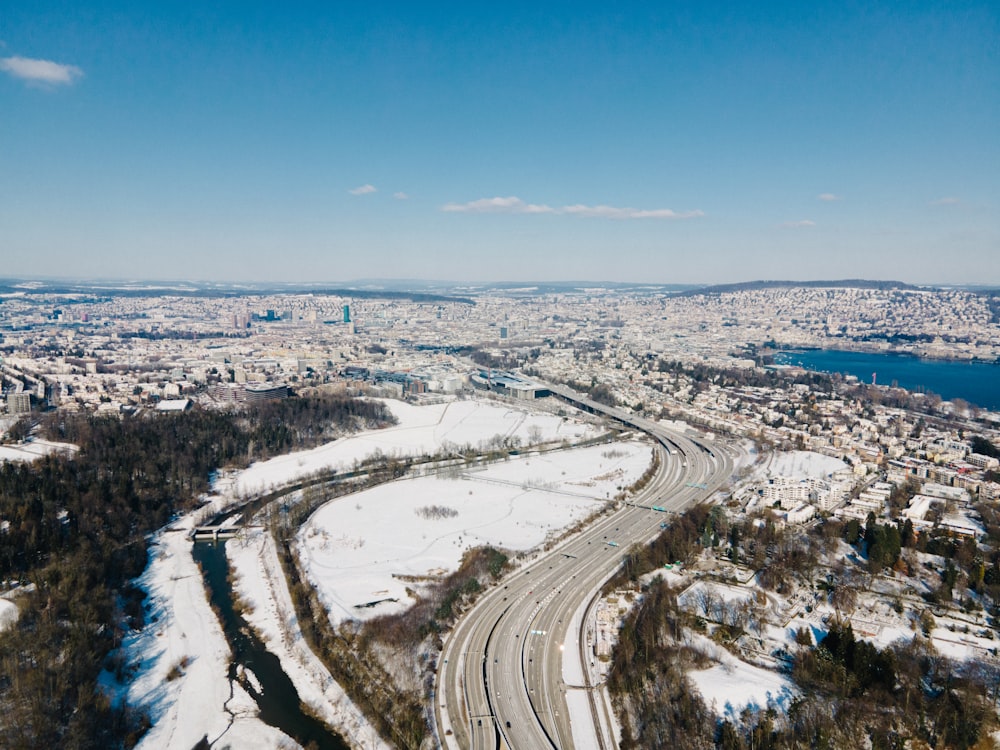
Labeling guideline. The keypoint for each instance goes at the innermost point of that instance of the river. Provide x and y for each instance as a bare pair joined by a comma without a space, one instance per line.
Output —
976,382
277,698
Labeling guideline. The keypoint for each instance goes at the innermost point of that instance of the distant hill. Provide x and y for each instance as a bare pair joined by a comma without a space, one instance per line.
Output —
416,290
525,288
768,284
422,290
99,288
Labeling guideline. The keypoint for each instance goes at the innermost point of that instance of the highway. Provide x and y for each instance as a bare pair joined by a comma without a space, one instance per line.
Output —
500,679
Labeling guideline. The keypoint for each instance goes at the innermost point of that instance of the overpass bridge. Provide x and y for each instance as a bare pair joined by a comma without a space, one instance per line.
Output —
215,533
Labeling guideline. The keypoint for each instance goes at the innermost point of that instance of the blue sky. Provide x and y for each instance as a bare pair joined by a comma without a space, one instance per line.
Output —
664,142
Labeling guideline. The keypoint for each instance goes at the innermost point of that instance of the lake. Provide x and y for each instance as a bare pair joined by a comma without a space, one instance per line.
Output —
976,382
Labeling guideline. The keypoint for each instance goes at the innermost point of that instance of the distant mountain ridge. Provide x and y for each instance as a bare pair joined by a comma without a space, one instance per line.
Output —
211,289
744,286
426,290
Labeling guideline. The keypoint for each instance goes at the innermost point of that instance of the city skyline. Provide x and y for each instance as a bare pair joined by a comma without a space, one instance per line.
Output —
674,146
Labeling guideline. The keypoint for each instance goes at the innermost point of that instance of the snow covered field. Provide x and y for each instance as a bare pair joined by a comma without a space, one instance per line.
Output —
802,464
732,685
701,595
518,503
33,449
421,430
355,549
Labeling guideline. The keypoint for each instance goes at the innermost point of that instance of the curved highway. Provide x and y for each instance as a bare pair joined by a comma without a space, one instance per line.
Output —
500,678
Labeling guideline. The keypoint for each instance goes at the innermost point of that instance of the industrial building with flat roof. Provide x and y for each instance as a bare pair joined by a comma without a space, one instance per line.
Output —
507,384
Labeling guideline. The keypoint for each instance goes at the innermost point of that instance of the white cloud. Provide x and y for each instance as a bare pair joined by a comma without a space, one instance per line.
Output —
612,212
950,201
800,223
514,205
363,190
828,197
40,71
509,205
401,196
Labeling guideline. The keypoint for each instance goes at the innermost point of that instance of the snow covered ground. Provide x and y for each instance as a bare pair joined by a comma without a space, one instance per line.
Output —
702,594
33,449
517,503
183,636
8,613
965,520
357,549
890,612
954,639
732,685
802,464
422,429
261,585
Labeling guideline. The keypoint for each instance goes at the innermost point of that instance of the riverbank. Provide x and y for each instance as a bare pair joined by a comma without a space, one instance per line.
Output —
261,586
944,352
939,353
176,667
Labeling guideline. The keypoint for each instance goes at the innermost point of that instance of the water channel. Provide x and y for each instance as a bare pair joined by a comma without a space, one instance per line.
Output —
277,699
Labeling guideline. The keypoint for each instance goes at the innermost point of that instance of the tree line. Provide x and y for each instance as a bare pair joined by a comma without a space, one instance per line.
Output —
77,529
851,692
